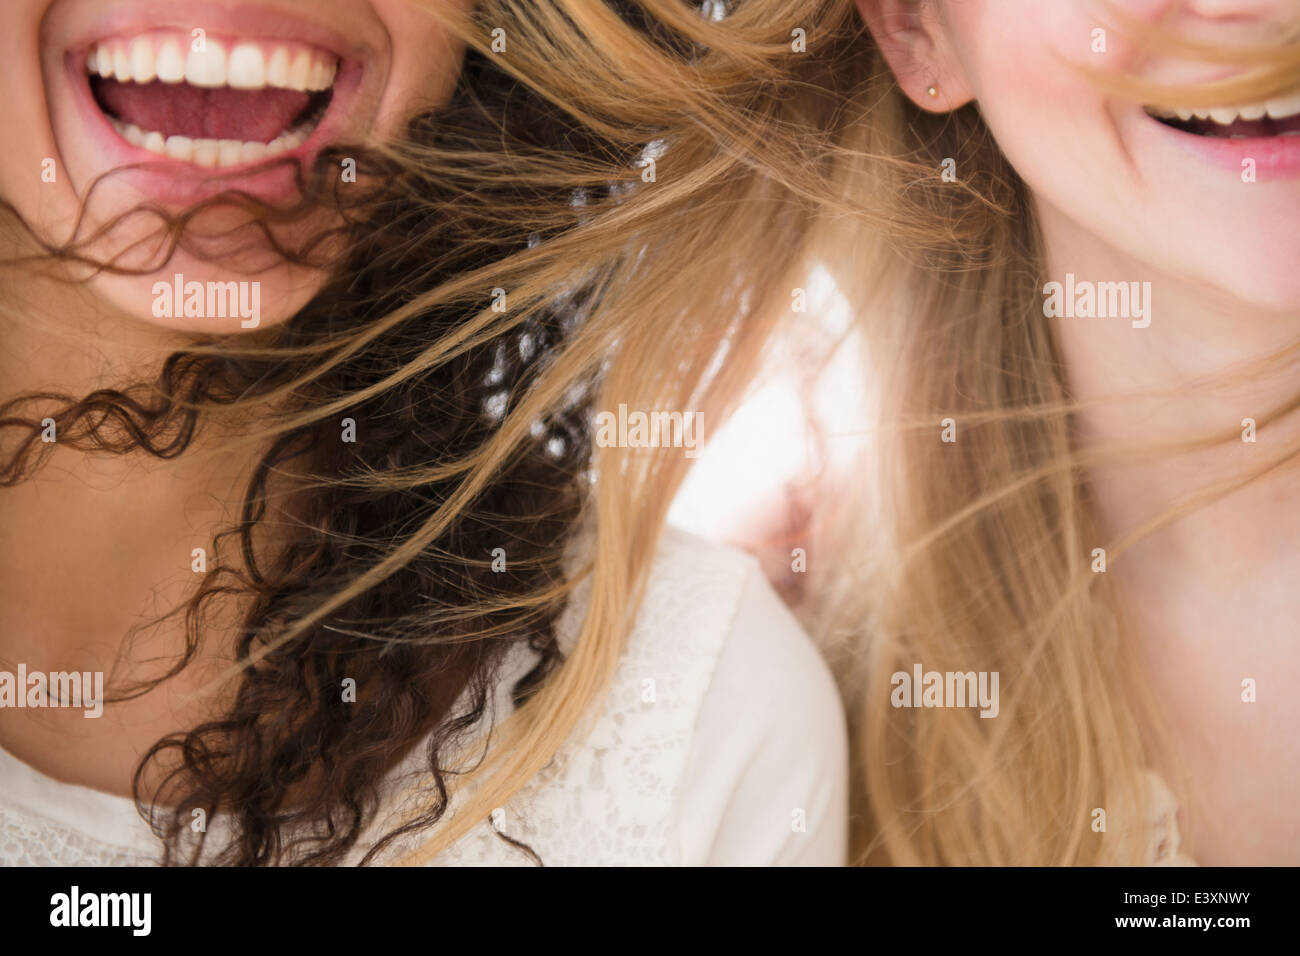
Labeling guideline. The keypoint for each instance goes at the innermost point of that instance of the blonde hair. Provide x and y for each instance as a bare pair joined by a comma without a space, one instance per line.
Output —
975,555
700,263
787,143
636,180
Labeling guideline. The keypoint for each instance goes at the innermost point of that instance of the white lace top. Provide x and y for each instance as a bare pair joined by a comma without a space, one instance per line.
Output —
721,741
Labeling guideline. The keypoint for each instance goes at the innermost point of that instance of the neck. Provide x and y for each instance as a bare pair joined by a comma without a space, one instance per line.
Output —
1198,369
1204,600
95,545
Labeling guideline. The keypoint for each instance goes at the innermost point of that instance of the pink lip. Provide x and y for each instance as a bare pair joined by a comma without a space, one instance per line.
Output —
170,181
1274,156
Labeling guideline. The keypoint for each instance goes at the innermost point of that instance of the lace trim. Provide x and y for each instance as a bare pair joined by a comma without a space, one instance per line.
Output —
29,840
611,798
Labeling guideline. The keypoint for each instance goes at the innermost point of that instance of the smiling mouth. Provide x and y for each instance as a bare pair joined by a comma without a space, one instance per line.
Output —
229,103
1277,117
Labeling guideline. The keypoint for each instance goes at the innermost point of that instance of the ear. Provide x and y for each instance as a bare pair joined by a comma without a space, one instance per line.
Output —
918,47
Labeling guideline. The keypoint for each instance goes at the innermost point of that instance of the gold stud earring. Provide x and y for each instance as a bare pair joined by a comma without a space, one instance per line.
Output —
932,91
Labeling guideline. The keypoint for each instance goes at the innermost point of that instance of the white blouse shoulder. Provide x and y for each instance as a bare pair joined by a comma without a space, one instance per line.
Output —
721,741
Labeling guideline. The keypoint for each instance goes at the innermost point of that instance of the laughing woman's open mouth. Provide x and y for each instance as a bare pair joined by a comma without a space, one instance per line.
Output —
224,105
1267,132
193,111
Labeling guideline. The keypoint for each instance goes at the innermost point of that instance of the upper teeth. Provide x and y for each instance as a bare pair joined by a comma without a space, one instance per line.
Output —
1279,108
241,64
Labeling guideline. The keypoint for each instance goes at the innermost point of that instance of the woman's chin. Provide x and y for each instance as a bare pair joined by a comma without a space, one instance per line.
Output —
193,297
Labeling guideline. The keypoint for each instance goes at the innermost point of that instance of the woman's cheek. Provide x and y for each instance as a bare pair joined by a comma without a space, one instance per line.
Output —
427,57
1027,63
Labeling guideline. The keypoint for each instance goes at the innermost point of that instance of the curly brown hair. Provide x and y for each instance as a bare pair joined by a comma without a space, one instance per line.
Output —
296,768
371,560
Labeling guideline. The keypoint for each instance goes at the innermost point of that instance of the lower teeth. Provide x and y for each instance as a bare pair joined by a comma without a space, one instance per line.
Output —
211,152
